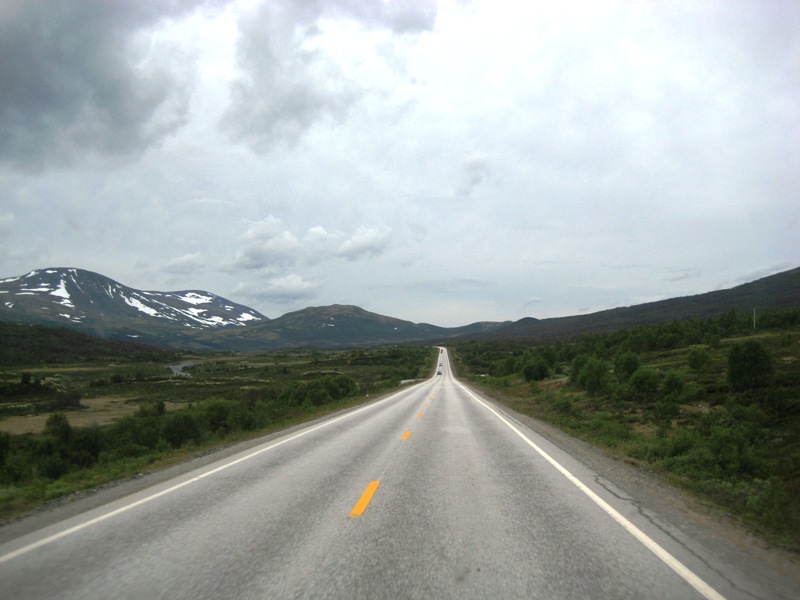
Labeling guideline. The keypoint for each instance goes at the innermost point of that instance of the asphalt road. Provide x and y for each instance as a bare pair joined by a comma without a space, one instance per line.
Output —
432,492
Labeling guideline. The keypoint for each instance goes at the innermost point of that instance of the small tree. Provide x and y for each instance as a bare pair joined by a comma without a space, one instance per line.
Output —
749,366
576,367
5,446
536,370
672,386
699,359
180,428
644,383
594,376
58,426
341,386
625,365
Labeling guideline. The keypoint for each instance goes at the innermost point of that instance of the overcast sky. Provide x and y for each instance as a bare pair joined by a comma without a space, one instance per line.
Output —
443,162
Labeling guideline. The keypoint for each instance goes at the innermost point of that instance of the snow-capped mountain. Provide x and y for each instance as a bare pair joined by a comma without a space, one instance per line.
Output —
87,300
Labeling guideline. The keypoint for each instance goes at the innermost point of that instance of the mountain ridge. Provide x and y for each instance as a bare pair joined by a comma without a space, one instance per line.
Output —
773,292
92,302
198,320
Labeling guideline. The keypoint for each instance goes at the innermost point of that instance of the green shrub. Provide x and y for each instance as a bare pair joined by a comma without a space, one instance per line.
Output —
643,384
87,444
699,359
215,415
672,386
536,370
663,413
341,386
594,376
626,365
576,366
317,394
749,366
52,466
563,406
5,446
134,429
180,428
58,426
608,431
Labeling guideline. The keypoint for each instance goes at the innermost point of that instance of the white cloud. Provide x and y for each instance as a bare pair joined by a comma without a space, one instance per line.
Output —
318,235
268,245
365,242
191,262
265,245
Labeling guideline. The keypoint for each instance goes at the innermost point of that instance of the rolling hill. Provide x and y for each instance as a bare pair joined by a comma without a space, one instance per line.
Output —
779,291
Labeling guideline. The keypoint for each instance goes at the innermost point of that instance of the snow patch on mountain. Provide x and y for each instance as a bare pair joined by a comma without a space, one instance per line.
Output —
137,304
62,293
195,298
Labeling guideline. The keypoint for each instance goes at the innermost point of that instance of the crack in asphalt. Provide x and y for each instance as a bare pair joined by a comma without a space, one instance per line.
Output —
657,523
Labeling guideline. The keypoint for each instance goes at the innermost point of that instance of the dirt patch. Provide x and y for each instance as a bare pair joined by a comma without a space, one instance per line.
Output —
551,384
100,411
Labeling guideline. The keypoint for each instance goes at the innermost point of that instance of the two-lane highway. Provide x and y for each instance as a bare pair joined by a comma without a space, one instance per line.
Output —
431,492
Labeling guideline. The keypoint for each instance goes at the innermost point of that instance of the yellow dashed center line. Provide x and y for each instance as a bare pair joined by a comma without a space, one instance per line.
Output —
419,416
406,435
363,502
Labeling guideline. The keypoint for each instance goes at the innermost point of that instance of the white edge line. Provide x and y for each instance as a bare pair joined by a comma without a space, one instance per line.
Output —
673,563
127,507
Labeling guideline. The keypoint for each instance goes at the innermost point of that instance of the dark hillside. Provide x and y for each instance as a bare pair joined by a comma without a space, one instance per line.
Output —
779,291
38,344
323,327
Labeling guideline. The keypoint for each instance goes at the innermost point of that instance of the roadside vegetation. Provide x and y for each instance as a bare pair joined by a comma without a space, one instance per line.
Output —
713,405
95,421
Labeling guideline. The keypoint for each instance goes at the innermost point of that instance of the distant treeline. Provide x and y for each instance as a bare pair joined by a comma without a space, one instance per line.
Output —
495,358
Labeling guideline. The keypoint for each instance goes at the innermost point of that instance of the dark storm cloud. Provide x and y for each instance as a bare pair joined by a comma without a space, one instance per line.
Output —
71,83
288,82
